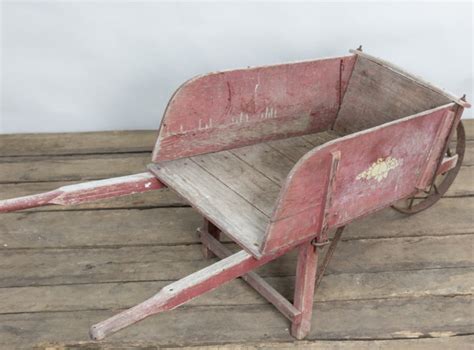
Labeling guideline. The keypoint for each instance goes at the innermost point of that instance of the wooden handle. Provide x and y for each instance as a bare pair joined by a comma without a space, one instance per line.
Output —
86,192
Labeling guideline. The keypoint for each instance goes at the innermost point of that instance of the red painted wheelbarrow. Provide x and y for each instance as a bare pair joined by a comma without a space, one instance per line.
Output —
274,157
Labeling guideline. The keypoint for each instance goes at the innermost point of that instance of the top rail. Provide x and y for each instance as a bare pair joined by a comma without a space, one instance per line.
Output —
413,77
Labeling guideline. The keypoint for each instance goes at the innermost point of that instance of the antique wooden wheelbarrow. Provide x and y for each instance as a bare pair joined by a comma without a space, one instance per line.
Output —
274,157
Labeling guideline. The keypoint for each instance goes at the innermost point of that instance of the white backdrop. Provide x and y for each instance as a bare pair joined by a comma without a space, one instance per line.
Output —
70,66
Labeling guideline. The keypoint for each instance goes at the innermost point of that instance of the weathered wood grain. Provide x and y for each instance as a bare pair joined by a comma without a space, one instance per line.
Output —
92,228
389,223
437,343
74,168
172,226
469,155
417,276
71,168
266,160
86,192
469,126
416,79
305,280
77,143
230,109
179,292
377,95
320,138
371,319
102,142
344,286
462,186
293,148
300,209
92,167
162,198
233,214
241,178
23,267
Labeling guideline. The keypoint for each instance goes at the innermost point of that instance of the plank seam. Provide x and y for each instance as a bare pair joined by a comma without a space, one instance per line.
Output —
238,194
240,306
262,275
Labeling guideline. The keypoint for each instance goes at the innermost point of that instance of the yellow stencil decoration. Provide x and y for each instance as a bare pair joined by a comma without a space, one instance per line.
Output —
379,170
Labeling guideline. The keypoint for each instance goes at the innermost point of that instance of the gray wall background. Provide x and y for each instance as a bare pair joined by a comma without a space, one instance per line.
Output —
86,66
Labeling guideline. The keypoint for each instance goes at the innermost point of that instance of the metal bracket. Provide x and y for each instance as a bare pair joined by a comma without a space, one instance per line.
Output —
317,244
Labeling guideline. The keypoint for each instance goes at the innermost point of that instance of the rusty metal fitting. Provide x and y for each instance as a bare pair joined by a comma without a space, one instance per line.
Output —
317,244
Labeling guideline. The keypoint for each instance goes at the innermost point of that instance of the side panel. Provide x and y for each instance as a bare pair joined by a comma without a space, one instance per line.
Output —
240,107
376,168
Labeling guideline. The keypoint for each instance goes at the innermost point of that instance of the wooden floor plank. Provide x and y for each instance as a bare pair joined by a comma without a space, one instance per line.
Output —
393,276
74,168
371,319
469,128
162,226
293,148
77,143
469,154
463,185
266,160
437,343
448,216
30,267
95,228
345,286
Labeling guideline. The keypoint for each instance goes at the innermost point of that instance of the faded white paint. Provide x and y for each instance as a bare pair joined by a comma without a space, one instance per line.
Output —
108,182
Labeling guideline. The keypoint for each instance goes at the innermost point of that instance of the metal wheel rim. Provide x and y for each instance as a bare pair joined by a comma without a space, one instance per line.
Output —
442,188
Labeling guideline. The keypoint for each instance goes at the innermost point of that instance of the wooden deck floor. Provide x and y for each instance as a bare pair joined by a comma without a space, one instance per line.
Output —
395,282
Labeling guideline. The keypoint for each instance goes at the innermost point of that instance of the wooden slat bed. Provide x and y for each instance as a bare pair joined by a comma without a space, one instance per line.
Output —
238,189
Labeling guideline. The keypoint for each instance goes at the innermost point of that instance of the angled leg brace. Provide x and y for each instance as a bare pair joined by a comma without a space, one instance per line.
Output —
184,290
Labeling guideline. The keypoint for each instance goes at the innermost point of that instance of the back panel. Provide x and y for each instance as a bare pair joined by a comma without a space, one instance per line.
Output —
377,94
240,107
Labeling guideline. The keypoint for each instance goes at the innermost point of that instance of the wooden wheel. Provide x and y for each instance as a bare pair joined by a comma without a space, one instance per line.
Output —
424,199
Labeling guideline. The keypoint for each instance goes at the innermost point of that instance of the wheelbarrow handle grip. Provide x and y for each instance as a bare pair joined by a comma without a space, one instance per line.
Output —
85,192
27,202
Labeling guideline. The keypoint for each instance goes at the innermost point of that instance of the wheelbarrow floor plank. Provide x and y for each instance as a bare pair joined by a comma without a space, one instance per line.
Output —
266,160
244,184
242,178
232,213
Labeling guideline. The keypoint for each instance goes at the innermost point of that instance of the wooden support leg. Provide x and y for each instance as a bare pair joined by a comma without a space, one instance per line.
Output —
212,229
184,290
304,288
